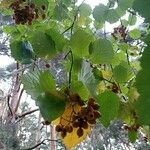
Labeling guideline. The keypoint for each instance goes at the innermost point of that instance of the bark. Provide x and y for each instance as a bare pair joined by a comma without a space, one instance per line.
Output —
52,137
38,133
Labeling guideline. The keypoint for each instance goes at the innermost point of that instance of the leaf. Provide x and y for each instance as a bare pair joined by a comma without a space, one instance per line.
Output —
71,140
135,34
85,9
42,44
112,16
22,51
97,74
106,74
120,73
87,78
38,82
132,19
125,22
142,105
124,112
102,52
80,88
133,94
80,36
58,38
124,47
125,4
132,135
109,106
60,11
142,7
52,105
5,3
40,2
99,12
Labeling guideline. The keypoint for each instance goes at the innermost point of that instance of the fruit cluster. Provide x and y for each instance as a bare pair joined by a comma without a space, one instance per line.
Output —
86,116
119,31
81,119
25,13
64,129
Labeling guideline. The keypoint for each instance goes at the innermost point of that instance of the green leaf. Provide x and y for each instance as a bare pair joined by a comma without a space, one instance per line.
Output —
58,38
80,88
40,2
42,44
85,9
124,47
22,51
87,78
109,106
120,73
135,34
132,135
132,19
80,42
51,6
99,12
142,7
124,22
38,82
125,4
120,12
102,52
60,12
112,16
52,105
67,2
142,84
97,74
77,64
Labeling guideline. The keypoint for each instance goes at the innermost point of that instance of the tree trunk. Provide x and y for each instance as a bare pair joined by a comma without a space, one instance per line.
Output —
38,133
53,138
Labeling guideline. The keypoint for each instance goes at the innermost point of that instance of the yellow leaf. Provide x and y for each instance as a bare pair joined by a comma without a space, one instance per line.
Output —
71,139
133,94
6,3
81,20
101,87
106,74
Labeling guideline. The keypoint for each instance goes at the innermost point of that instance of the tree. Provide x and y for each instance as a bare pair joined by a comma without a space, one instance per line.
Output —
79,73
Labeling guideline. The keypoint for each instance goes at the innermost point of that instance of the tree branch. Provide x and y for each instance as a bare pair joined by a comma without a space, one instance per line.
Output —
40,143
17,105
27,113
8,103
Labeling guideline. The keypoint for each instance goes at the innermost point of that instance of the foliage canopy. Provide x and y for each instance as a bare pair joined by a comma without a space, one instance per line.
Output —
112,69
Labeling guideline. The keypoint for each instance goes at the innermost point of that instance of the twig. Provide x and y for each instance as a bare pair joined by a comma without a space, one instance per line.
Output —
71,67
72,25
20,70
40,143
8,103
75,17
27,113
16,107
